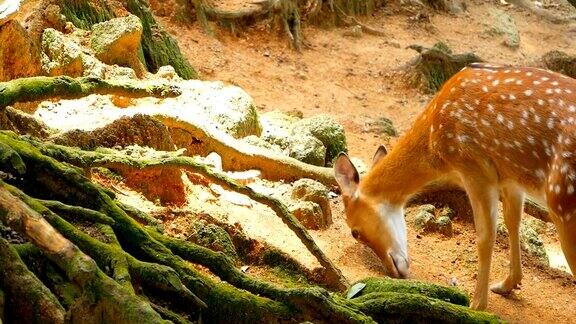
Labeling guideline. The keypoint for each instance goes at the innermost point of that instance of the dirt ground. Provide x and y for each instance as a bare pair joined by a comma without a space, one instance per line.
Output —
354,80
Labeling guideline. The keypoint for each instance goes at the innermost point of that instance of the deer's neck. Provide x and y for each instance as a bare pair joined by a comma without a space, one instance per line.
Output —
408,167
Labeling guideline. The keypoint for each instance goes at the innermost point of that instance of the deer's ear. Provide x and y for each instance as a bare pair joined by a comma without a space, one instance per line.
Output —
346,175
380,153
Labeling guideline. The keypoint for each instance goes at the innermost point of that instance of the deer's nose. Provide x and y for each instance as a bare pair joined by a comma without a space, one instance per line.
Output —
401,264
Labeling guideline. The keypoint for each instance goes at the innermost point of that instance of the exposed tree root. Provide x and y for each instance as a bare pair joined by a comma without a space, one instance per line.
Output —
75,213
543,13
30,301
238,156
39,88
117,161
144,258
433,66
102,295
560,62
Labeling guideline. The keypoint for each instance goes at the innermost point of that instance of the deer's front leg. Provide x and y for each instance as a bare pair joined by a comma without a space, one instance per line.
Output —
512,201
483,197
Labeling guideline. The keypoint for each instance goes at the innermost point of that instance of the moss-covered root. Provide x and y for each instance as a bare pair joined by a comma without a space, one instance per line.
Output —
448,294
30,301
311,303
39,88
111,159
137,214
435,65
102,297
413,308
158,47
122,266
75,213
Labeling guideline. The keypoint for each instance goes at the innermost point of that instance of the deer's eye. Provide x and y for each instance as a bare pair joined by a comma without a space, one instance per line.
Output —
355,234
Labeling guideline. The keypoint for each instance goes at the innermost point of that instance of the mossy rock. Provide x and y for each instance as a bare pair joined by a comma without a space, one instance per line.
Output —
259,142
314,191
503,25
60,56
309,214
382,125
214,238
530,230
436,65
306,148
276,127
327,130
116,40
424,221
158,47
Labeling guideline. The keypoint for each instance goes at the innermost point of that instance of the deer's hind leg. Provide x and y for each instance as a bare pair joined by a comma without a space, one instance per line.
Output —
512,202
567,231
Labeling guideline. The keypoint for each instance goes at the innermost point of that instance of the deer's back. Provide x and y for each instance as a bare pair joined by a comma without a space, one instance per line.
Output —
521,120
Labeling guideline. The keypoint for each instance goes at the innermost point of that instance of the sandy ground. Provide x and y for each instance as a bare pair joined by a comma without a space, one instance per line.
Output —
353,80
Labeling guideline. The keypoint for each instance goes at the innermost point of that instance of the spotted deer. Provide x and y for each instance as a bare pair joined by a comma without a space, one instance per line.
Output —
497,132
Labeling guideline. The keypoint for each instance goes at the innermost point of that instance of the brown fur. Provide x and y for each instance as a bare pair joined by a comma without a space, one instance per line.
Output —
497,131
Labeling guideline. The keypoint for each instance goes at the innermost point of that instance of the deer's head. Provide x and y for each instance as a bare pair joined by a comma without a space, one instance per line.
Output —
373,220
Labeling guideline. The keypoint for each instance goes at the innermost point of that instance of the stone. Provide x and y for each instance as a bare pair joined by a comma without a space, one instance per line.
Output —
380,126
238,119
167,72
447,212
117,41
308,213
260,142
560,62
139,129
444,225
60,56
213,237
207,104
354,31
307,149
424,221
277,127
116,72
20,59
54,17
314,191
92,67
503,25
530,241
327,130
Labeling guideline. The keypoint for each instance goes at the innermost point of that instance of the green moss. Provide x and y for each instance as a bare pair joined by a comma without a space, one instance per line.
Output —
214,238
394,307
325,129
447,294
83,14
158,47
